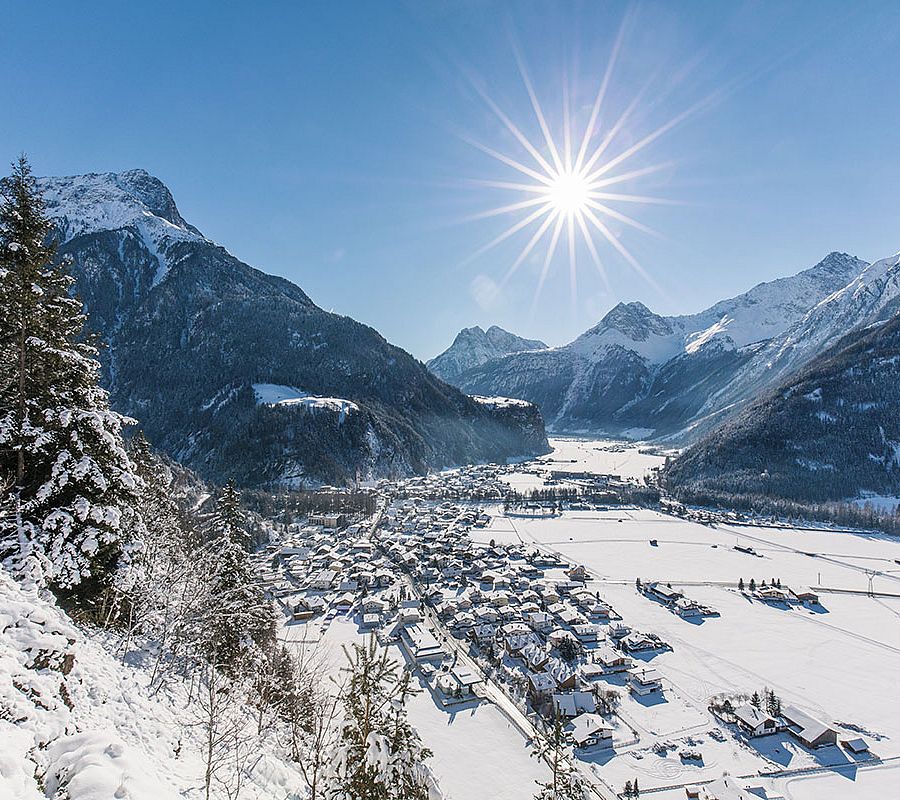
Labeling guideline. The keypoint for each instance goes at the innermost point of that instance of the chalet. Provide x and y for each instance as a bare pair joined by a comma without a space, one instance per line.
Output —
344,602
540,685
806,597
372,605
806,729
484,633
686,608
572,704
589,730
462,621
639,642
611,660
557,637
618,630
727,788
659,591
308,607
535,656
323,580
370,621
586,632
484,614
754,722
644,681
539,621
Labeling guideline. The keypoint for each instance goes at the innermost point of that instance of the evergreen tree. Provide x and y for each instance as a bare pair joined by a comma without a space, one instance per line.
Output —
551,746
63,462
378,755
740,584
242,620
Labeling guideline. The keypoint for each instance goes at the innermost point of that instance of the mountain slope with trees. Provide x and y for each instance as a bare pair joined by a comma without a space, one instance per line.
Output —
192,330
830,433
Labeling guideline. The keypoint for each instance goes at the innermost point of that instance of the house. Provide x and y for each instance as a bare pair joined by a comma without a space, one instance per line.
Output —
806,729
540,685
638,642
754,722
459,682
308,607
420,643
572,704
856,746
540,621
586,632
590,730
484,633
323,579
344,602
686,609
806,596
727,788
659,591
644,681
535,656
611,660
370,621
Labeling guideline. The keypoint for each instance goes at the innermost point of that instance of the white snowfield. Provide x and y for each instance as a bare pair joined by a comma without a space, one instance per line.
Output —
274,394
500,402
836,661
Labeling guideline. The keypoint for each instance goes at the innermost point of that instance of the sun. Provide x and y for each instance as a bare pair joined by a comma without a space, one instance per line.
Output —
569,193
568,189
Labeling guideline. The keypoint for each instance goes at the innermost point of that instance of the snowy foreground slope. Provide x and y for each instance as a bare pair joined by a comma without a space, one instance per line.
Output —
78,723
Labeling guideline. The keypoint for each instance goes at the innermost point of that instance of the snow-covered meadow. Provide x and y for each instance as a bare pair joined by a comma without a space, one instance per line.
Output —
833,660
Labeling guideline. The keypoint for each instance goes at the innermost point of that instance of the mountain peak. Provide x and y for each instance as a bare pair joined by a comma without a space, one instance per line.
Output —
98,201
634,320
475,346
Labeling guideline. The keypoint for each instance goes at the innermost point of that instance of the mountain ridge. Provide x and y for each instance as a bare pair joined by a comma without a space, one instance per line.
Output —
637,369
191,329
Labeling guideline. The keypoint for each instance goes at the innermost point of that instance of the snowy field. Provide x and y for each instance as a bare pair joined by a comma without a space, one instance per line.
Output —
571,454
827,660
822,660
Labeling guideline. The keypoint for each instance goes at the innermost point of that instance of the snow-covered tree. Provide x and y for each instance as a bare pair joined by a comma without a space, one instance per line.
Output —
242,620
69,481
378,755
551,747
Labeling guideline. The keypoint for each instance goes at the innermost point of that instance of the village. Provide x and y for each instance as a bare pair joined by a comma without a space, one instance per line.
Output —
452,573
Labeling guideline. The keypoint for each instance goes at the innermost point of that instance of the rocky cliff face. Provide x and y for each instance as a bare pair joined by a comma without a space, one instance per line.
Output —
192,330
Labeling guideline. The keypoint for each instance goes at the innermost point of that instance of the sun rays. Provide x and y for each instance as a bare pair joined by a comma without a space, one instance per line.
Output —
564,189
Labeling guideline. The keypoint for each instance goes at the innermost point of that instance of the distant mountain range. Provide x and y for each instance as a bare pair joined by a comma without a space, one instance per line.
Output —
829,432
643,375
473,347
197,339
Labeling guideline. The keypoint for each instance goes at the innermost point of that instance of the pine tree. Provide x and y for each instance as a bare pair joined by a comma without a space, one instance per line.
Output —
551,746
740,584
242,621
62,453
378,755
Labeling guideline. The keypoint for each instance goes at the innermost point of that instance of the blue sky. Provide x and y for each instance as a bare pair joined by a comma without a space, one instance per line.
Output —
329,142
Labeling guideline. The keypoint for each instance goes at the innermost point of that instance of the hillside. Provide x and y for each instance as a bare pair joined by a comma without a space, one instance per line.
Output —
191,330
831,432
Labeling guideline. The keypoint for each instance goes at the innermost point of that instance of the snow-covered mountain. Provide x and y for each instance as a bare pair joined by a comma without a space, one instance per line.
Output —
830,431
474,346
639,373
192,331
